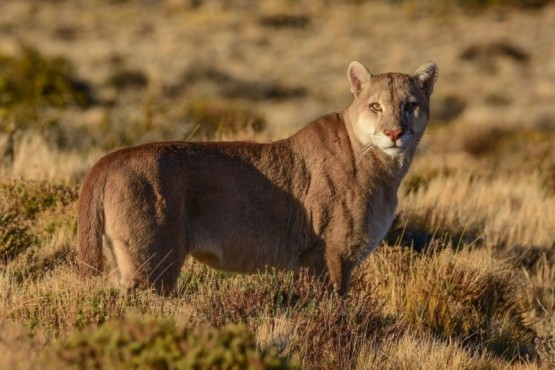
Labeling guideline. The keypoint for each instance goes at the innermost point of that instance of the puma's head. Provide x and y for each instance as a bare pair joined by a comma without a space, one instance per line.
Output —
390,111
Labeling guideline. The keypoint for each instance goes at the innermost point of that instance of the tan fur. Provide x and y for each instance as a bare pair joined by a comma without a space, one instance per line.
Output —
322,199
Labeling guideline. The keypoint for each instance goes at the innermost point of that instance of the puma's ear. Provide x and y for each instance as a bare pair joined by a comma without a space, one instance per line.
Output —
358,76
426,75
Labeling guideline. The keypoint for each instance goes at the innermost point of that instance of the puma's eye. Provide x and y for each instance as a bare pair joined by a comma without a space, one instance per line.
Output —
376,107
410,106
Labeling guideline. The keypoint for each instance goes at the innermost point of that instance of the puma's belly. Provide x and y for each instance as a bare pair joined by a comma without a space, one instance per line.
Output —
240,265
208,258
240,257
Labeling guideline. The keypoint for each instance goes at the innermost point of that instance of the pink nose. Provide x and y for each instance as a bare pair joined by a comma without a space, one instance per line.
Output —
394,134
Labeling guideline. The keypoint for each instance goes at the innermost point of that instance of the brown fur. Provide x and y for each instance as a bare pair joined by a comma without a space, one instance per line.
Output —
321,199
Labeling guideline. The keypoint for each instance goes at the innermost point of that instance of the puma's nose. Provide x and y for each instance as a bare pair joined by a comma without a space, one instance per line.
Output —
394,134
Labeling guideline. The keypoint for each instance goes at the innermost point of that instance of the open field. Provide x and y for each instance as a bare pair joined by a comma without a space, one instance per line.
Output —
466,277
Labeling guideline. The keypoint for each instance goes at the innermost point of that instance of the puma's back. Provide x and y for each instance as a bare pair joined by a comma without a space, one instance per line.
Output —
321,199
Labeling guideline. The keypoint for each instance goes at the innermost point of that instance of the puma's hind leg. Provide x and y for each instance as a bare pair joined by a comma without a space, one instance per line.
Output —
130,269
146,231
111,261
158,268
164,266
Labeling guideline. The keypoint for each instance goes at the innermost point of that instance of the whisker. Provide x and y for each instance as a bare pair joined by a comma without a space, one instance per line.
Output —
425,148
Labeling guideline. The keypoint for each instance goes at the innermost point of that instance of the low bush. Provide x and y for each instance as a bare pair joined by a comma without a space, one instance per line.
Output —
15,236
159,344
30,214
328,331
128,79
28,198
32,81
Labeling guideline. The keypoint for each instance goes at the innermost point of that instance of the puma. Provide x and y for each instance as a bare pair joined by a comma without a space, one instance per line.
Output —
322,199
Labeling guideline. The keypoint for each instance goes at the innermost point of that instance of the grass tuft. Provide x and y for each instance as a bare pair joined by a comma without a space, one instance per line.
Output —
464,296
214,118
546,352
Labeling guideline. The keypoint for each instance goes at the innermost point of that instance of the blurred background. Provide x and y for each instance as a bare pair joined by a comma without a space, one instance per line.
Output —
101,74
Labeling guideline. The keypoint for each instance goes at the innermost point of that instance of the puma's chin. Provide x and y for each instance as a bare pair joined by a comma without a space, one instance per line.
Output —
394,151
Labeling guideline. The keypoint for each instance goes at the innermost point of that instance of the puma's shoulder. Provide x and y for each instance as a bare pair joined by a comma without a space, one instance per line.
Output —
325,134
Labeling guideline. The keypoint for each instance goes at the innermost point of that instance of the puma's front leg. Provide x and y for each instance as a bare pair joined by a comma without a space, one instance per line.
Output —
339,271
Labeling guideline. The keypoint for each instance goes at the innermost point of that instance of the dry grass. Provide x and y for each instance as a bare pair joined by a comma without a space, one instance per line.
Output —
497,212
465,279
413,351
35,159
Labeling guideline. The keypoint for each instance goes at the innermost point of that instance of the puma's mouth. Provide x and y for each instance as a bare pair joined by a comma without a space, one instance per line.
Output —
396,145
394,150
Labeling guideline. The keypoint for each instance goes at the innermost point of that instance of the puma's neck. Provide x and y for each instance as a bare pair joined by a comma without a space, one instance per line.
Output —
341,143
327,151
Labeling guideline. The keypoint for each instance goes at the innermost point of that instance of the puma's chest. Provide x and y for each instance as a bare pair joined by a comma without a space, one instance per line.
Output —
379,217
378,223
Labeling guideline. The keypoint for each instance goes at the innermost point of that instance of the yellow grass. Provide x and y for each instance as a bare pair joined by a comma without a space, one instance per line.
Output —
34,159
502,211
413,351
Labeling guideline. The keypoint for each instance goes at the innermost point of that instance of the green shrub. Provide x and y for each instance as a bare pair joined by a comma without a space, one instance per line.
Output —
28,198
30,212
65,308
128,79
15,236
31,82
159,344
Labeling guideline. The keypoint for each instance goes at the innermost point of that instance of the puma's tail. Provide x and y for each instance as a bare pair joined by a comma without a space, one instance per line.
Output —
90,222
